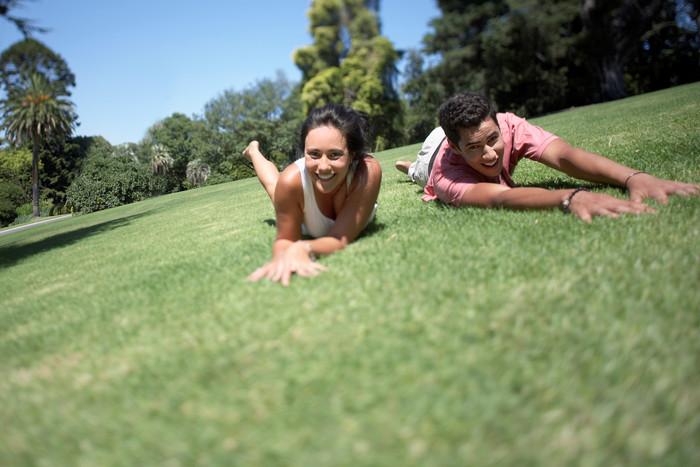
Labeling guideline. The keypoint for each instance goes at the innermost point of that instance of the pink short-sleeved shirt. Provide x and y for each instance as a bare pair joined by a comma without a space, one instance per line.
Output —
452,177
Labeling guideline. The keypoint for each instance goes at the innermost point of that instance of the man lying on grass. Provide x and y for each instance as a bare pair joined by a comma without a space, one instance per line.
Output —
469,161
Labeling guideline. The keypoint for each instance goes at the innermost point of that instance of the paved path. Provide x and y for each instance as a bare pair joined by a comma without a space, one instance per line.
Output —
26,226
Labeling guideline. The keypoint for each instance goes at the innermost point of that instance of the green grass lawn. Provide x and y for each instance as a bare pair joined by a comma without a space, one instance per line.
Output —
440,337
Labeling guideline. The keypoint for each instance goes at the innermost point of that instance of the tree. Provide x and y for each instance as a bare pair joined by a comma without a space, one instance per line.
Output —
613,28
197,172
457,39
537,56
24,25
526,55
268,111
350,63
16,166
31,56
668,53
11,197
15,181
160,159
183,139
34,110
422,97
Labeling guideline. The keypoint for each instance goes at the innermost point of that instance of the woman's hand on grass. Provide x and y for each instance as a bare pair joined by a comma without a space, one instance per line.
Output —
586,205
643,186
295,259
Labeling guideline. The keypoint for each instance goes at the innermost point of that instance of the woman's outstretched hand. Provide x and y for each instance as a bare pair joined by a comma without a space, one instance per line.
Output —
295,259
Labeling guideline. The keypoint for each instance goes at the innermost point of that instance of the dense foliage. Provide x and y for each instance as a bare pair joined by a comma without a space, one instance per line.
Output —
110,180
269,111
15,182
11,197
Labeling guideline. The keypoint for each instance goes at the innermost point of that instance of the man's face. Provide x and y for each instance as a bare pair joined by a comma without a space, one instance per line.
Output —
481,148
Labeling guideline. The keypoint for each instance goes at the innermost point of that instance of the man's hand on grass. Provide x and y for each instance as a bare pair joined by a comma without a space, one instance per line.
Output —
586,205
642,186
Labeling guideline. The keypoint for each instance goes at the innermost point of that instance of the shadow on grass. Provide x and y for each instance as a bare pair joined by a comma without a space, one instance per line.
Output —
559,184
572,184
371,229
11,254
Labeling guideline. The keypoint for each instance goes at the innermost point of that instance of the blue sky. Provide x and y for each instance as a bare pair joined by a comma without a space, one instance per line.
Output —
139,61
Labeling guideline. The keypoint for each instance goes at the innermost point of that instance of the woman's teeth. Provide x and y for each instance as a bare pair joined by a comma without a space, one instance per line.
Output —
325,177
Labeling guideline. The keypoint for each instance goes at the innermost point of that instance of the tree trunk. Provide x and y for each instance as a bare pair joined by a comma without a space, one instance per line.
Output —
611,78
615,29
35,173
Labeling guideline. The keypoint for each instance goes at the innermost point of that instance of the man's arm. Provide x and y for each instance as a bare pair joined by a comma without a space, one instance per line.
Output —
585,165
582,204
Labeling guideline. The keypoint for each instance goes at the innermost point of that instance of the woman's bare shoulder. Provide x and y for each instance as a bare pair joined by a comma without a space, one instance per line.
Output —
290,176
370,167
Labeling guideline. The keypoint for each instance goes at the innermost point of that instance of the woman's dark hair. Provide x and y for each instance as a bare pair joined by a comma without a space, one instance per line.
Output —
465,110
354,125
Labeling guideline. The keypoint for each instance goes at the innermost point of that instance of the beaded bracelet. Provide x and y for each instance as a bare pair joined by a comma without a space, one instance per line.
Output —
565,204
632,175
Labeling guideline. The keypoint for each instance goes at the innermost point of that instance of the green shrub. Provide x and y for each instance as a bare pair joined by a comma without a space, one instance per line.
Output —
27,209
22,219
59,209
240,169
107,182
217,178
11,196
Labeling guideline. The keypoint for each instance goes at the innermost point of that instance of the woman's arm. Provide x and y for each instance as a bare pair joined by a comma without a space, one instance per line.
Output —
289,253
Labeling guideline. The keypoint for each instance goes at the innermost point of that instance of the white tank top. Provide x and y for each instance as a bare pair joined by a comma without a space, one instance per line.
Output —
315,223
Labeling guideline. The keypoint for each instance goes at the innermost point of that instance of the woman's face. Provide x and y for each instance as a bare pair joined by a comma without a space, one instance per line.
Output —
327,158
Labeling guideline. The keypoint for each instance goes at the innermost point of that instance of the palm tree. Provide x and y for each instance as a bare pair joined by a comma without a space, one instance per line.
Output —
36,109
198,172
161,161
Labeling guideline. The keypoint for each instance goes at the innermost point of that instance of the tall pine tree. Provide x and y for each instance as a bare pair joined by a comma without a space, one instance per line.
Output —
350,63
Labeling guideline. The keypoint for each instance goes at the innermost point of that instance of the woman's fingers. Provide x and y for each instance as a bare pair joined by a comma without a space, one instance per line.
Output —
309,269
281,271
262,271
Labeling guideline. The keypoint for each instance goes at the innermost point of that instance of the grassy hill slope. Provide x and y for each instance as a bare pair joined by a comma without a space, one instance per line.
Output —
440,337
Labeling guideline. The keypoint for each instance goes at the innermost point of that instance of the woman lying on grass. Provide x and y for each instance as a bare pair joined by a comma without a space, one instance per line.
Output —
330,194
469,161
